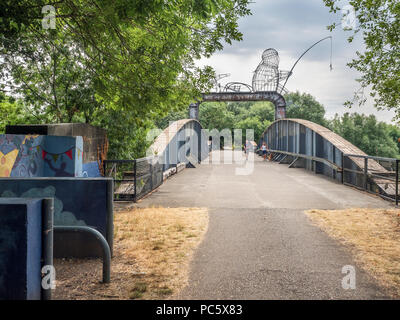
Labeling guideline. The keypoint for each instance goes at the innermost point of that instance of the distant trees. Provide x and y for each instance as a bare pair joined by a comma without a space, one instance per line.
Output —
371,136
305,106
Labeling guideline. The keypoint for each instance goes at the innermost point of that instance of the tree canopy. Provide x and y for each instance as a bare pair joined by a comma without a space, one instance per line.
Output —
379,24
305,106
371,136
131,58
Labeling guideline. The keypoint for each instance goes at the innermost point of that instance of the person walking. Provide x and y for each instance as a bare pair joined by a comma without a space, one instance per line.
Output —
264,150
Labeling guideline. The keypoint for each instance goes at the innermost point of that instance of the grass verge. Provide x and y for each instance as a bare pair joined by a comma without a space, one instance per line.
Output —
152,251
373,236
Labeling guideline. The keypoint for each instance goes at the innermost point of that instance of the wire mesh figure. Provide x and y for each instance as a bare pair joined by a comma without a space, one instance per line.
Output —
267,76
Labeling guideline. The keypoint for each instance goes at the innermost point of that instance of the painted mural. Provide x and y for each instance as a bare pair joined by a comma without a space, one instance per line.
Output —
40,156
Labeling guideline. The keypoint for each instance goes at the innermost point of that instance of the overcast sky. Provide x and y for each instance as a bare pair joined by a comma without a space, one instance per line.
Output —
291,26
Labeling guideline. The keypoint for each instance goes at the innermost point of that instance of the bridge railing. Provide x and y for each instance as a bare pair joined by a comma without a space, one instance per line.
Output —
298,156
376,175
133,179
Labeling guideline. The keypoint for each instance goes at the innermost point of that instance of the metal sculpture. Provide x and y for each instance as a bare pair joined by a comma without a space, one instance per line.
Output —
236,87
266,85
267,76
217,86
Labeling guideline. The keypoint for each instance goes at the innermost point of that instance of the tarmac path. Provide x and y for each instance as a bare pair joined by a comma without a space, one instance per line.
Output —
260,244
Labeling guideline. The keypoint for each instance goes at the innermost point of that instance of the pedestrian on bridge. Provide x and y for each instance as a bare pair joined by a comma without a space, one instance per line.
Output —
264,150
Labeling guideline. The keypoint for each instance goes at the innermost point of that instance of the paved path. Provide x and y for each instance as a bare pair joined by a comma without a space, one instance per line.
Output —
260,244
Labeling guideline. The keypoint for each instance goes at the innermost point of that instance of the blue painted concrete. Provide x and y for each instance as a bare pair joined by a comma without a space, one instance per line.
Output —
77,201
20,249
91,169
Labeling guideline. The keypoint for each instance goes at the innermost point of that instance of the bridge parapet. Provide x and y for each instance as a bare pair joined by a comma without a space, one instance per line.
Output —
182,141
302,143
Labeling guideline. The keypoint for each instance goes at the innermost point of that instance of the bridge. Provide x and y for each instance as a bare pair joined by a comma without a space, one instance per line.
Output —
260,244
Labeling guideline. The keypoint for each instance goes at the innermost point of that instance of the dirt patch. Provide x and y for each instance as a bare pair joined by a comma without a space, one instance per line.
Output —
152,251
373,236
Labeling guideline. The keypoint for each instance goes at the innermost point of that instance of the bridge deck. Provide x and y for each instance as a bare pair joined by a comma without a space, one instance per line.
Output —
260,244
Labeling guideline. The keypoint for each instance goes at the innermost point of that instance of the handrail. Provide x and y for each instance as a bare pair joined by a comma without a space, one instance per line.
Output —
370,157
318,159
101,240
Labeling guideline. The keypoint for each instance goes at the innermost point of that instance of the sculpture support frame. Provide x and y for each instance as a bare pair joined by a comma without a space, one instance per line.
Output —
272,96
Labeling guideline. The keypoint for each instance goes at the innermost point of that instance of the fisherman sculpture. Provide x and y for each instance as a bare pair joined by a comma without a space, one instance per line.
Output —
267,76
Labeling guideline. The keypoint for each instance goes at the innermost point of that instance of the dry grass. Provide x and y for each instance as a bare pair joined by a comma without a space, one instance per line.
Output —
152,251
373,236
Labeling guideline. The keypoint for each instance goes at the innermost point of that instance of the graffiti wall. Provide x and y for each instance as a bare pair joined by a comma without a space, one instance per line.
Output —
20,249
40,156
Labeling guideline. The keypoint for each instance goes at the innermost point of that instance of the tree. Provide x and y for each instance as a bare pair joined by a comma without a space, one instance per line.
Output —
255,124
171,117
14,112
365,132
135,58
305,106
51,77
379,24
394,132
215,115
142,52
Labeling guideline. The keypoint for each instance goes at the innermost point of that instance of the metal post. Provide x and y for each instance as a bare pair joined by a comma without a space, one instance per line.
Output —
134,180
365,173
151,174
110,214
47,239
343,169
199,137
397,182
287,135
106,252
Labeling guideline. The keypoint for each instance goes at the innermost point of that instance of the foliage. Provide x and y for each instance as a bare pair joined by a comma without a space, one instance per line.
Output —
51,77
215,115
108,61
14,112
172,116
373,137
305,106
379,24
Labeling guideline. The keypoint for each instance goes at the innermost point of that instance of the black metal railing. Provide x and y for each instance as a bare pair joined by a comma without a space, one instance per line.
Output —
376,175
278,155
133,179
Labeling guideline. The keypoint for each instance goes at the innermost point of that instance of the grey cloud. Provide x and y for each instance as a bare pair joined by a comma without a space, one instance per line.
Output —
290,26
